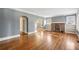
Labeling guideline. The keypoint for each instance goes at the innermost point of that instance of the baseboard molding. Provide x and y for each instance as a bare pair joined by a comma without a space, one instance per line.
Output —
9,37
14,36
31,32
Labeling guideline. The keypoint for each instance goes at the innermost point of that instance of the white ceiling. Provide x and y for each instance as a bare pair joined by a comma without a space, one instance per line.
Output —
48,12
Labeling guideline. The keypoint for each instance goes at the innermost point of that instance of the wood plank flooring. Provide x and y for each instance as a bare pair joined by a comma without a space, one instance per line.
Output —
42,41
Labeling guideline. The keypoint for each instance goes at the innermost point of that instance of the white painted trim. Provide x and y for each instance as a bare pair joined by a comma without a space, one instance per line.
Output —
55,22
10,37
58,22
33,13
31,32
26,12
14,36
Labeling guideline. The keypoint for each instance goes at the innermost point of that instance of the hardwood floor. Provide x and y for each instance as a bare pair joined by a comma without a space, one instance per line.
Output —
42,41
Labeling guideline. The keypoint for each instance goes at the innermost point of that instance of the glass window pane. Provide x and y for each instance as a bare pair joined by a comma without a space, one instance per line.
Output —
70,20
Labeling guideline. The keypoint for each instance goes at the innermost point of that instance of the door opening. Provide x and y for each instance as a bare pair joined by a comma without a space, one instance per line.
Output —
23,25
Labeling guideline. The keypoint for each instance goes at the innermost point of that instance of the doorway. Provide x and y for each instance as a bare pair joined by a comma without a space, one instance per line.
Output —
23,25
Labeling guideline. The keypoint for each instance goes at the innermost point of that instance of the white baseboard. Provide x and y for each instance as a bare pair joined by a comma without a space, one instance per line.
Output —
14,36
31,32
9,37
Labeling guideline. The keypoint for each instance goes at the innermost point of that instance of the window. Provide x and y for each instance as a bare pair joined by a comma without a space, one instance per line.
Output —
70,20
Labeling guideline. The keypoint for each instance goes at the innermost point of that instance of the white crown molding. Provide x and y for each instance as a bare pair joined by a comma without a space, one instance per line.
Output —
17,9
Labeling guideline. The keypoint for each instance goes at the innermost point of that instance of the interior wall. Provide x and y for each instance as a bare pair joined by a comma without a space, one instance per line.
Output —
9,22
59,19
1,23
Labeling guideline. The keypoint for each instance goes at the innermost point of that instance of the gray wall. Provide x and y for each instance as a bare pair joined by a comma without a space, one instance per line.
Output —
1,23
9,22
59,19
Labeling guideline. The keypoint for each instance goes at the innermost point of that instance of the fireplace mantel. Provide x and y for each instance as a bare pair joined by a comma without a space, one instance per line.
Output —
58,22
58,27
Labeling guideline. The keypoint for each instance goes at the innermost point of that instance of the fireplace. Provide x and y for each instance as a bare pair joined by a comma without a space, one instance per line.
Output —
58,27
